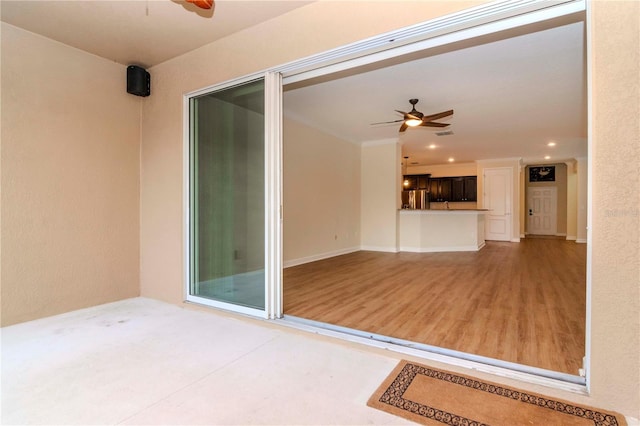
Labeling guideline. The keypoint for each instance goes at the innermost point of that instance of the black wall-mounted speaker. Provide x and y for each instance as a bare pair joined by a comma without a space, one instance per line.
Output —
138,81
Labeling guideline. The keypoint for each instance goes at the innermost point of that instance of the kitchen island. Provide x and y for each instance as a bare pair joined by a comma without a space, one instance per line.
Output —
423,231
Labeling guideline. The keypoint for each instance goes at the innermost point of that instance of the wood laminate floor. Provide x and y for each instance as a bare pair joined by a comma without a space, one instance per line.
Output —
520,302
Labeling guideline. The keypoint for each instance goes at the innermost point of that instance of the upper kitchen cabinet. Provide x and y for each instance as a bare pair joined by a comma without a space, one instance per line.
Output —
415,182
410,182
440,189
464,188
423,181
456,188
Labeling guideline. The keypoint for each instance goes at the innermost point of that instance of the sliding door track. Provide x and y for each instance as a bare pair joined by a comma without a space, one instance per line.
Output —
484,364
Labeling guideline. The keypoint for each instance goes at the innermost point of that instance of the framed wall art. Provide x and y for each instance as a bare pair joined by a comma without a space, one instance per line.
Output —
542,174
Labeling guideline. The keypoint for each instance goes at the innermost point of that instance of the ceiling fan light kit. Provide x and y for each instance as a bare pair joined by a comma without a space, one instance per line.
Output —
415,118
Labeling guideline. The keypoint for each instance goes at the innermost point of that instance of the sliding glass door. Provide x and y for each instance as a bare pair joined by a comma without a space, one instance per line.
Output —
227,197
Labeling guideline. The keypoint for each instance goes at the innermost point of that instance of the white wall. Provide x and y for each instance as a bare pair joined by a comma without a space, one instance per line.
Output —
70,188
321,194
381,175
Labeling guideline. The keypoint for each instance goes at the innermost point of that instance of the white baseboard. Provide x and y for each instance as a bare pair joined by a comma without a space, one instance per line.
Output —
320,256
522,236
376,248
515,240
561,234
440,249
581,240
571,238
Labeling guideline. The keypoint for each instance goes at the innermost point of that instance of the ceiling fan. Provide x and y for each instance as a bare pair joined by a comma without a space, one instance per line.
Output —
415,118
203,4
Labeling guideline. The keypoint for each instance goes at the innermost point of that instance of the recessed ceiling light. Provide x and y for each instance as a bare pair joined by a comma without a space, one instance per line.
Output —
432,146
551,144
546,157
451,160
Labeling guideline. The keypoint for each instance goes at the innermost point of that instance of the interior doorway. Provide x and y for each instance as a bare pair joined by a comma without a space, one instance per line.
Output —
498,196
542,207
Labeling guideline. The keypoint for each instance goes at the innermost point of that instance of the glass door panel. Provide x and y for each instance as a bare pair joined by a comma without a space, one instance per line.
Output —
227,223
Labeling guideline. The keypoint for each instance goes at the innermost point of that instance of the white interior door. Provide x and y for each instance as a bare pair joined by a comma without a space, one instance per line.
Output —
498,191
542,208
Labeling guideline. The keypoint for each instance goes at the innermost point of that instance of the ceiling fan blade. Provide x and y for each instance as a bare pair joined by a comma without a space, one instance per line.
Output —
434,124
403,127
407,115
387,122
432,117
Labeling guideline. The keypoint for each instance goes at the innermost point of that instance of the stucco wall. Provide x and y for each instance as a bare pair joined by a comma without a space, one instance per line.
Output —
70,156
615,327
615,224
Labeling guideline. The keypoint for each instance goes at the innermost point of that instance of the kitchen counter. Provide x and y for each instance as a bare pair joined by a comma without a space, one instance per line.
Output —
424,231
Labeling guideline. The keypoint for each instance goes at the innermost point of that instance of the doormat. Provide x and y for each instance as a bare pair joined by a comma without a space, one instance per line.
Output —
432,397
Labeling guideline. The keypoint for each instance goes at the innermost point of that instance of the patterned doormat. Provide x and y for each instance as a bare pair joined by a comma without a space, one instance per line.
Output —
434,397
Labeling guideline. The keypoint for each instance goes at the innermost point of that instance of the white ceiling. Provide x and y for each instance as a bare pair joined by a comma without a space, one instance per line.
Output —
141,32
510,97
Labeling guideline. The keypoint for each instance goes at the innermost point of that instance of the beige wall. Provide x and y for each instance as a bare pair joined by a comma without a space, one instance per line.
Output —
321,194
615,224
70,166
380,196
615,327
445,170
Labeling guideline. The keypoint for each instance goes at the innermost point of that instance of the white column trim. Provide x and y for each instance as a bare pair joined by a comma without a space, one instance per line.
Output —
273,195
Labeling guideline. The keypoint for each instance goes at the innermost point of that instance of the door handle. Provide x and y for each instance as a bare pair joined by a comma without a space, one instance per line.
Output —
530,212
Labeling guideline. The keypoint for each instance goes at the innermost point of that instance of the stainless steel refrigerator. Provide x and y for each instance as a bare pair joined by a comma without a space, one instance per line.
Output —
415,199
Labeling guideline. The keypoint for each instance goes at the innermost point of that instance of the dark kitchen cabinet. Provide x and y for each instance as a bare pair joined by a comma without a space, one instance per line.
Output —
457,188
470,188
410,182
464,188
415,182
423,181
440,189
